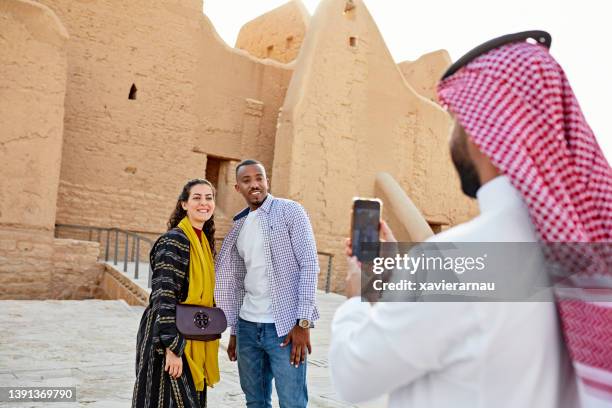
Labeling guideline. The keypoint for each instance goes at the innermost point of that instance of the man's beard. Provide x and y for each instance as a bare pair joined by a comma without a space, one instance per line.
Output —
258,201
470,182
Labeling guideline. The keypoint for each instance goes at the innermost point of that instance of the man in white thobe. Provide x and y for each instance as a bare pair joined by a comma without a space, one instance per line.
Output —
460,354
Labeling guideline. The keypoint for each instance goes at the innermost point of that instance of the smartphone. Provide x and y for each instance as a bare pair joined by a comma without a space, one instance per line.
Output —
365,223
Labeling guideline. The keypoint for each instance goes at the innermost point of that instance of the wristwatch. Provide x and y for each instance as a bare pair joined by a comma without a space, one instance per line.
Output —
304,323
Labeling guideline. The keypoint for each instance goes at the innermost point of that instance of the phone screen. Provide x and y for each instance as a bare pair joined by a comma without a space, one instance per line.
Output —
366,220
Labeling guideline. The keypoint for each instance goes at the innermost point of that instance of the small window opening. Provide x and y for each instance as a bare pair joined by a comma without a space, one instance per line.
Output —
348,6
353,42
269,50
133,91
436,227
288,42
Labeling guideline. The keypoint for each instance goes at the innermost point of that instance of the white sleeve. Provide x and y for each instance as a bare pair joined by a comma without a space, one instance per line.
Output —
377,349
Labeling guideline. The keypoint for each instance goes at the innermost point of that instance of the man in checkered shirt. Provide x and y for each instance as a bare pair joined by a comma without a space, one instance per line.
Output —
267,272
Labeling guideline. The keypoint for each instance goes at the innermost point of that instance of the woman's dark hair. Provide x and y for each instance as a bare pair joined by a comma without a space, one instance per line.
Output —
179,213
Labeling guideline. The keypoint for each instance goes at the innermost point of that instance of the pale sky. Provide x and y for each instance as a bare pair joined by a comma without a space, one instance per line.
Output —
581,33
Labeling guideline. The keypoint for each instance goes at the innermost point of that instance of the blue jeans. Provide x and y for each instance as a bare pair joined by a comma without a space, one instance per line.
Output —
261,358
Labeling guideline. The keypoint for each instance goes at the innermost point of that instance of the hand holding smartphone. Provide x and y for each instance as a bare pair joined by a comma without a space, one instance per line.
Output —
365,224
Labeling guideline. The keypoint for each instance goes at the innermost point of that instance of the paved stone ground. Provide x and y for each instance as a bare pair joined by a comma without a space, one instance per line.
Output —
90,344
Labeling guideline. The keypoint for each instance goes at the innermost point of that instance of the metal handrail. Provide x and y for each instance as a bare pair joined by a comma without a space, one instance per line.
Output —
135,248
330,258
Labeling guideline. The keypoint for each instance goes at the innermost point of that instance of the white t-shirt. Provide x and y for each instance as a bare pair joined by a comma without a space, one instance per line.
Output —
257,304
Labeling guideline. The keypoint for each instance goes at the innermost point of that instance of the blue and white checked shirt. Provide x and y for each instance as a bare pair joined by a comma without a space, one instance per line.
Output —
292,265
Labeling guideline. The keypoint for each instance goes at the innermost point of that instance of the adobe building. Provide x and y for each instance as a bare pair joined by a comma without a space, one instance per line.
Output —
424,73
277,34
107,108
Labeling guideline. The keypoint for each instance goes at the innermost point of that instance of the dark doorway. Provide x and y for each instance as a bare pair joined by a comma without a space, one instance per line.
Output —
213,167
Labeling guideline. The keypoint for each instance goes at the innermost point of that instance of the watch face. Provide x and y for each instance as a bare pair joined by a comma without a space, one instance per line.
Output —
304,324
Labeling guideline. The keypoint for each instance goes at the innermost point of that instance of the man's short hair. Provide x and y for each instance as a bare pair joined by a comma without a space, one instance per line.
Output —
248,162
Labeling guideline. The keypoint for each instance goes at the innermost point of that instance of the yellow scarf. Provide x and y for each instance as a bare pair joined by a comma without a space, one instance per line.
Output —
201,355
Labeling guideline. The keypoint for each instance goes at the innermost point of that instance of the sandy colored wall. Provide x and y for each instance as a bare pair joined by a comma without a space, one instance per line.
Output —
237,104
124,161
34,265
76,273
277,34
349,115
32,86
424,74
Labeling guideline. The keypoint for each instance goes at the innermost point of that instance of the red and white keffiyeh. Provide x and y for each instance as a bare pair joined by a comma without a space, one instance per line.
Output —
517,106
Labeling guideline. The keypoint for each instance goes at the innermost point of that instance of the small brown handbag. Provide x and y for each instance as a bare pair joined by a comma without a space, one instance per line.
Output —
200,322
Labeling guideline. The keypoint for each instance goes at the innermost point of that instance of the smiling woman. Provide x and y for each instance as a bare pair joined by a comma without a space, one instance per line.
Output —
200,205
171,370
